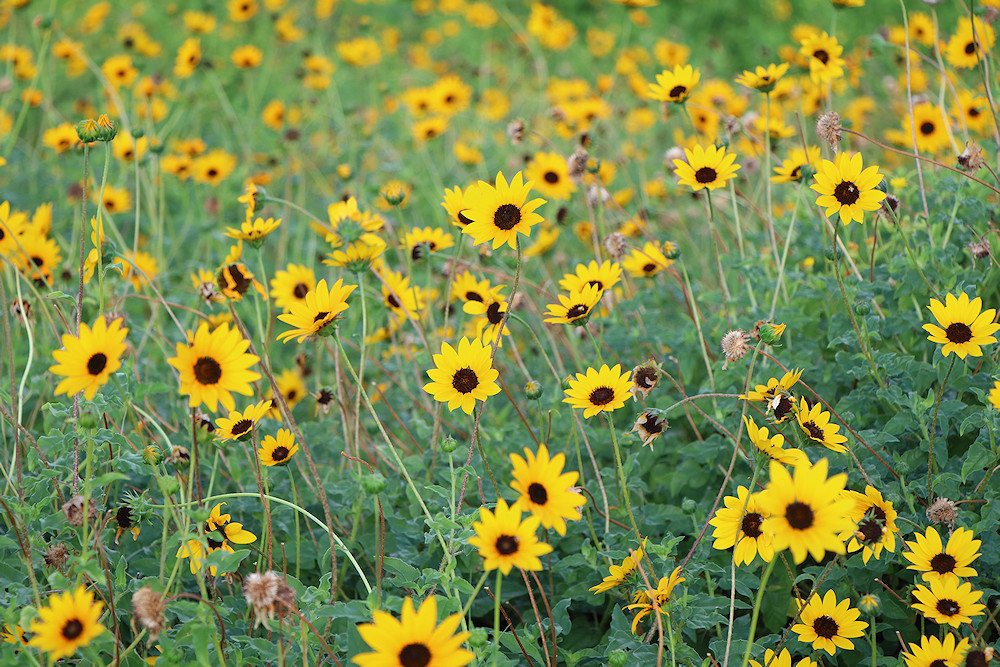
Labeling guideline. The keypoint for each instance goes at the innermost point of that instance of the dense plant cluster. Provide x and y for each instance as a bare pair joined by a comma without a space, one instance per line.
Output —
431,333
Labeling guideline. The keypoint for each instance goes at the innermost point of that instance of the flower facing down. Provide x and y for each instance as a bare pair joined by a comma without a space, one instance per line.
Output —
807,511
414,639
964,326
601,390
948,601
815,423
621,574
829,625
545,490
648,601
774,446
505,541
69,621
463,376
88,360
220,531
876,519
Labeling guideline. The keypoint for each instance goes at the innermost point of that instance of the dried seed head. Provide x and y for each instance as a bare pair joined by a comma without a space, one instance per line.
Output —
73,509
148,608
942,510
734,346
645,377
557,114
268,594
20,308
732,125
650,425
616,244
673,153
828,129
972,158
56,555
515,131
979,249
577,164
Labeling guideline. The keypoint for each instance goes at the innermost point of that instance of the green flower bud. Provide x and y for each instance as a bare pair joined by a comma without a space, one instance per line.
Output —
169,486
479,638
88,130
689,506
373,484
87,421
862,307
137,133
618,659
671,250
771,333
566,381
152,455
807,171
448,444
533,390
869,604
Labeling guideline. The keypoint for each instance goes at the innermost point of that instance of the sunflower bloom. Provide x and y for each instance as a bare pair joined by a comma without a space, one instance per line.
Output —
807,511
88,359
815,423
709,168
829,625
463,376
763,79
500,213
964,326
621,574
783,659
69,621
935,560
277,450
674,86
545,490
317,312
214,364
933,651
603,390
773,446
876,519
947,601
648,601
414,639
845,187
739,524
239,425
505,541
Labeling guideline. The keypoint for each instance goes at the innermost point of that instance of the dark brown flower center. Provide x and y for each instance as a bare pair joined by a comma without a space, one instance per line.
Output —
958,332
677,91
943,563
72,629
279,454
97,363
494,314
814,431
240,280
242,426
970,48
551,177
799,515
300,290
939,663
538,494
653,424
871,531
207,370
648,268
646,377
124,516
927,127
473,296
706,175
947,607
782,408
320,315
596,283
975,659
821,55
506,217
825,627
751,525
392,301
602,396
415,655
462,219
577,311
506,545
846,193
464,380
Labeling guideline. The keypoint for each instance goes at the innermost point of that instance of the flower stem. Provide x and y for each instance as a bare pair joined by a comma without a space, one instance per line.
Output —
756,609
930,448
496,617
621,475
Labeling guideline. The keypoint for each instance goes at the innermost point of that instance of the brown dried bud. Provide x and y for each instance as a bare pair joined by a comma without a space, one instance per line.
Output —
972,158
650,425
148,608
515,131
942,510
645,377
56,555
828,129
20,308
979,249
577,164
73,509
616,244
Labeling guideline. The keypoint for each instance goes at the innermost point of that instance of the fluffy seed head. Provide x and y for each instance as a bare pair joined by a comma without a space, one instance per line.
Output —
828,129
942,510
148,607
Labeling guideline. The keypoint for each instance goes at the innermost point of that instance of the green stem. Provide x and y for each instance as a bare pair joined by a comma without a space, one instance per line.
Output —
756,610
930,449
621,475
100,221
496,617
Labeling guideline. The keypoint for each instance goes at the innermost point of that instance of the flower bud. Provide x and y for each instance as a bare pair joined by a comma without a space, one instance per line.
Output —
770,333
448,444
152,455
479,638
618,659
373,484
533,390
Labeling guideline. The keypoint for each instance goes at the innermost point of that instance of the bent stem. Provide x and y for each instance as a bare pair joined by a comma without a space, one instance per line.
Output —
621,475
930,449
